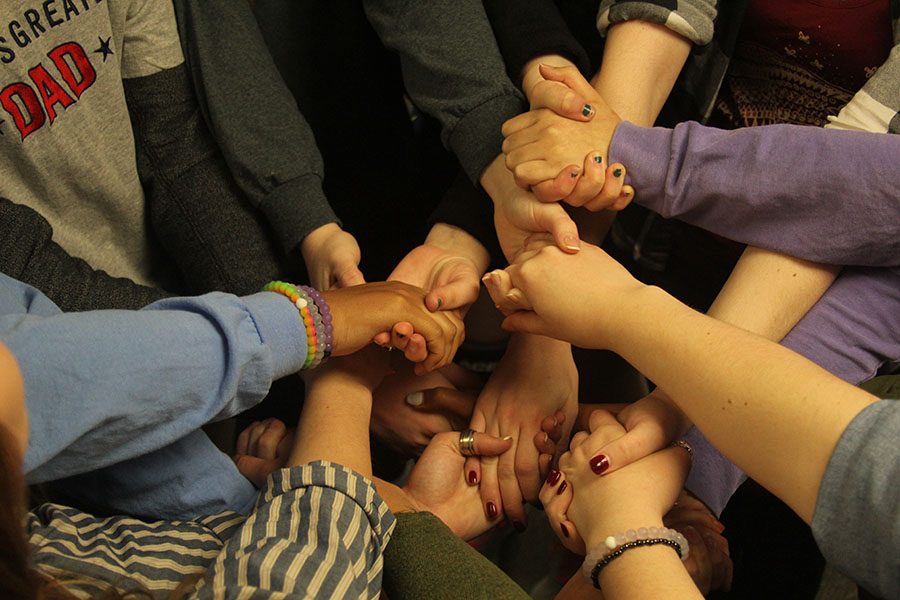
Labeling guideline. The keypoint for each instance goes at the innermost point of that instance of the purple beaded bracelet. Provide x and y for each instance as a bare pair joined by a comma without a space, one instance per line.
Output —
325,314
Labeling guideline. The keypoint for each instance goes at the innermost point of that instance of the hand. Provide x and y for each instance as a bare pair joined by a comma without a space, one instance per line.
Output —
535,379
518,215
437,483
545,148
361,312
263,447
651,424
709,562
569,297
408,411
332,258
636,496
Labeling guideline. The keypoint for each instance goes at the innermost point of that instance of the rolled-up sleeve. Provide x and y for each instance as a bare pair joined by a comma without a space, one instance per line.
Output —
691,18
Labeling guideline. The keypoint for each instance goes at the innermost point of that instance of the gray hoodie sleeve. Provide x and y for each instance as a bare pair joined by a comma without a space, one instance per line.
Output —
856,523
453,70
269,147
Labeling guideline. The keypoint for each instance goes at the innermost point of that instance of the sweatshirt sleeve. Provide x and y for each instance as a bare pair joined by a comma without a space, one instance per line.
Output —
821,195
269,147
856,523
876,107
853,331
692,19
105,386
318,531
530,28
453,71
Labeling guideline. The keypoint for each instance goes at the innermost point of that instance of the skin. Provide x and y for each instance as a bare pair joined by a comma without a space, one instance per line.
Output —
13,414
332,258
772,427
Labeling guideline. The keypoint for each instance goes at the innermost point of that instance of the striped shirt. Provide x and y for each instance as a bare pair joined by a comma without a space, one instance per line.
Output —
317,531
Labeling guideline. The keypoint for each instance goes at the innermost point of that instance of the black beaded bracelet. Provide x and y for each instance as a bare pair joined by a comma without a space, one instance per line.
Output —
595,572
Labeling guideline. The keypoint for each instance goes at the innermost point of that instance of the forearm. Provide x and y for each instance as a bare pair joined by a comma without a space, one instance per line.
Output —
460,242
759,403
641,62
334,424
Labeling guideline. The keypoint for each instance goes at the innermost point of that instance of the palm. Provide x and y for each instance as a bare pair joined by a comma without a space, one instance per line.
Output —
438,485
429,267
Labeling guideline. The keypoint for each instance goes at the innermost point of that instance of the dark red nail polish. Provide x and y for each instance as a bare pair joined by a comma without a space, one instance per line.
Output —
564,529
473,477
553,477
520,527
599,464
491,510
562,487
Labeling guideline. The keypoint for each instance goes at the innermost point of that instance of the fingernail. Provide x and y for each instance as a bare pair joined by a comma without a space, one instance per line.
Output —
507,438
440,303
598,159
599,464
400,335
587,110
617,172
571,242
415,398
546,437
564,529
486,278
574,174
553,477
473,477
520,527
491,510
562,487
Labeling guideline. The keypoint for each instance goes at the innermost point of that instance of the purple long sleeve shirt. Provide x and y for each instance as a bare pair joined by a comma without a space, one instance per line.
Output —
822,195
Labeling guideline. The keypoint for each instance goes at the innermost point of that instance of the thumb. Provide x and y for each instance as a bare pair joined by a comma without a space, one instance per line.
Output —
488,445
350,277
642,440
571,77
460,291
525,322
453,404
554,219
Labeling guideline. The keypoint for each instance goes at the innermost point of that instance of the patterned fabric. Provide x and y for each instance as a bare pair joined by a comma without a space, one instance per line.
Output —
692,18
317,531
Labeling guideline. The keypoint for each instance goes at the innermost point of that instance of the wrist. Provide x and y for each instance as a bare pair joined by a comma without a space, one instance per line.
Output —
317,236
616,524
459,242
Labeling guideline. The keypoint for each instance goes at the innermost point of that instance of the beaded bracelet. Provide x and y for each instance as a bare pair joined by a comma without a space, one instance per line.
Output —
318,336
616,545
325,313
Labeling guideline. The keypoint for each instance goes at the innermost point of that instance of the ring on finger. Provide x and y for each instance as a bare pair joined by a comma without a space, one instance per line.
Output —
467,442
686,446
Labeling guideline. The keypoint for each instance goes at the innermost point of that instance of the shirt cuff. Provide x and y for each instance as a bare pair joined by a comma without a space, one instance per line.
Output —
295,208
693,19
280,328
476,140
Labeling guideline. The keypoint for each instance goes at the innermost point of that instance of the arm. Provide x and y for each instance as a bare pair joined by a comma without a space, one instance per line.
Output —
846,217
271,152
29,254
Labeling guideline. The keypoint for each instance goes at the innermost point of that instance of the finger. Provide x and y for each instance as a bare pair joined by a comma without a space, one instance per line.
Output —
543,444
489,445
253,468
578,439
400,335
472,468
510,492
563,99
455,405
527,470
489,488
545,461
255,434
267,446
243,441
497,284
698,563
571,77
642,440
591,182
560,186
525,322
553,219
624,198
349,277
516,297
607,197
460,291
383,339
521,122
541,176
416,350
519,139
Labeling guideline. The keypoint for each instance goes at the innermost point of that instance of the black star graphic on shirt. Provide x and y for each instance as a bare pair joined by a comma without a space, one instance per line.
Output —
1,126
104,48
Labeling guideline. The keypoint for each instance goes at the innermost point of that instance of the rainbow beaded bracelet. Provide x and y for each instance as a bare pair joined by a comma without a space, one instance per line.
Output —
313,312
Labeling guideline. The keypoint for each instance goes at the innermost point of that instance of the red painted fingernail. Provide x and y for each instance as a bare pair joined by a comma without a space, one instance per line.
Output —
491,510
520,527
564,529
599,464
473,477
562,487
553,477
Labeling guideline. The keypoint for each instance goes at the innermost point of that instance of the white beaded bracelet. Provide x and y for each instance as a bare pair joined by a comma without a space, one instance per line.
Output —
664,535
